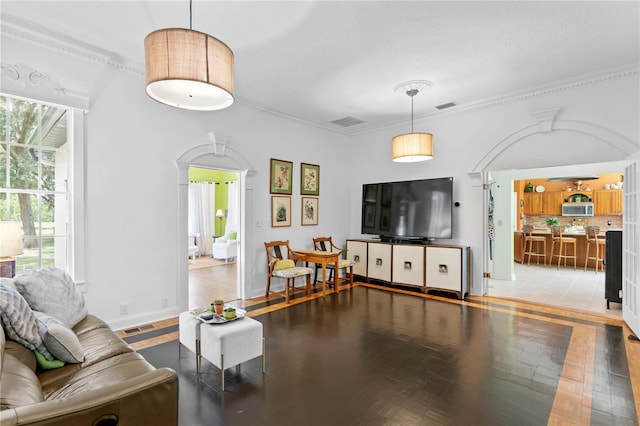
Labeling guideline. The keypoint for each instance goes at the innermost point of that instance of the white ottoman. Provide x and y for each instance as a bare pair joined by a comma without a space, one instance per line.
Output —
189,331
226,345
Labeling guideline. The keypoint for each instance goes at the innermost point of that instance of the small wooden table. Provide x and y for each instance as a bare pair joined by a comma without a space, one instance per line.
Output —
323,258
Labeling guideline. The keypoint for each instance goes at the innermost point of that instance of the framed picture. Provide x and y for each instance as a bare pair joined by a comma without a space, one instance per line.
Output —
309,179
281,177
280,211
309,211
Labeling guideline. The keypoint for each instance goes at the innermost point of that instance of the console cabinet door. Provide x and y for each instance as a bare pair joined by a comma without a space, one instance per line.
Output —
444,268
379,261
357,253
408,265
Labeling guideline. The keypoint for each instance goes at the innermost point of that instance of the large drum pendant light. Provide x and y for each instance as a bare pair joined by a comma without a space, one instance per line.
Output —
188,69
412,147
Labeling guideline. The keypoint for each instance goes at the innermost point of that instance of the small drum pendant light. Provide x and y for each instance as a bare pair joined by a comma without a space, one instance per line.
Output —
412,147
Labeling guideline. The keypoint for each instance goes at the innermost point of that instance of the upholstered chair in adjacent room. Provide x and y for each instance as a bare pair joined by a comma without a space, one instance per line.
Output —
193,247
226,247
281,263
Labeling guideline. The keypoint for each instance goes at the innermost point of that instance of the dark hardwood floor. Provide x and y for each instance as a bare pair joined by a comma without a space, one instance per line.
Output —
377,356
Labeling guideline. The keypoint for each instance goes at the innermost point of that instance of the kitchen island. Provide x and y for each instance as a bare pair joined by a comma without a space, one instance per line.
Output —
581,248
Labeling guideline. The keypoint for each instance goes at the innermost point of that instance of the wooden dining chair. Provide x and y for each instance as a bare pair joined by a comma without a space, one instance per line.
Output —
281,263
326,244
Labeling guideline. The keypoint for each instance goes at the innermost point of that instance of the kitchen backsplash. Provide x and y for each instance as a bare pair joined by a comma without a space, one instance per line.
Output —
601,221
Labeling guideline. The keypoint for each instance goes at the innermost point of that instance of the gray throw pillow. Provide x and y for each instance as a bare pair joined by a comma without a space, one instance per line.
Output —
59,339
19,321
51,290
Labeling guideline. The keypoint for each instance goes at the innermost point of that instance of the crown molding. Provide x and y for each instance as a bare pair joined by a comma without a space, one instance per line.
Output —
53,40
556,87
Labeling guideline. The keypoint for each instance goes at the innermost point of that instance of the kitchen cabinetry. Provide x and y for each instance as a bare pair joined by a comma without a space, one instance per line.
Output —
518,247
428,267
536,203
607,202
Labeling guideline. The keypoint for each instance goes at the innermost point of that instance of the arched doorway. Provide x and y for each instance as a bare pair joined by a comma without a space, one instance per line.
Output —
213,156
507,155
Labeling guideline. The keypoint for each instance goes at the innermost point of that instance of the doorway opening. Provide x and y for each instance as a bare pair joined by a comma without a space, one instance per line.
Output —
568,287
213,225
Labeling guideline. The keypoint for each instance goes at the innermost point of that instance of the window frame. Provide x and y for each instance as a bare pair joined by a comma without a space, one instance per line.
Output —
75,186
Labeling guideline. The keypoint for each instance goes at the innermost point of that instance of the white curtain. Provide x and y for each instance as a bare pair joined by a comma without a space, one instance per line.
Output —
233,198
202,199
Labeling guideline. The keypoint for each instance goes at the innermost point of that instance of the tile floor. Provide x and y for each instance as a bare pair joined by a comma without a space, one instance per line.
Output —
565,287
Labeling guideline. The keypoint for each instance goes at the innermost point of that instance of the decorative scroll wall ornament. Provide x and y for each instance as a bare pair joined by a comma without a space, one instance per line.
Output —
27,76
545,119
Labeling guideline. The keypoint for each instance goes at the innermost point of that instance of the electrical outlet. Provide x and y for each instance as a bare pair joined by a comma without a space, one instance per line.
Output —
124,309
165,303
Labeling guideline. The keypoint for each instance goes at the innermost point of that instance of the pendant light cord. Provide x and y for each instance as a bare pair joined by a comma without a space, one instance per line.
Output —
190,15
411,93
412,113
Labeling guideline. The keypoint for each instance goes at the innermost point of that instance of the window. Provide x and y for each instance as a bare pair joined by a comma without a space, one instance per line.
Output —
36,165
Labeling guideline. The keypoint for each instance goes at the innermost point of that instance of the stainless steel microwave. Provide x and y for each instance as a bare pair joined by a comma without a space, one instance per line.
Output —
577,209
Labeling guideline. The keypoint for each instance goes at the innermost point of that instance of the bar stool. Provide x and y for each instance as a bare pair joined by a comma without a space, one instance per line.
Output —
592,238
529,240
562,242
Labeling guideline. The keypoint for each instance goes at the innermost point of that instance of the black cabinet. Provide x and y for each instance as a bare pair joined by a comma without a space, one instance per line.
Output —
613,267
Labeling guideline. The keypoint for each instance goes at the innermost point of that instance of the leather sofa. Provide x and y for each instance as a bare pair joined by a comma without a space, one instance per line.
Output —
113,386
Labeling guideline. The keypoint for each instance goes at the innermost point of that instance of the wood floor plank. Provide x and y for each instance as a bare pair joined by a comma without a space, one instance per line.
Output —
573,401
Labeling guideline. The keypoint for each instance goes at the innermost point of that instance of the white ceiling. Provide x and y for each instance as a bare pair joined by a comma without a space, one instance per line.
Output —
322,61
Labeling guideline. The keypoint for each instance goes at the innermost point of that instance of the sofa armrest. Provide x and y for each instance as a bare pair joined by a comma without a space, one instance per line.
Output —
141,400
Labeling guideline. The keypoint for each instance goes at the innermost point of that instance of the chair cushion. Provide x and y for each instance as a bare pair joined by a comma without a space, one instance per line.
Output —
297,271
284,264
344,263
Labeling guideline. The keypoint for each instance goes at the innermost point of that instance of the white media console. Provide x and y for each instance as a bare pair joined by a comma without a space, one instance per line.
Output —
428,267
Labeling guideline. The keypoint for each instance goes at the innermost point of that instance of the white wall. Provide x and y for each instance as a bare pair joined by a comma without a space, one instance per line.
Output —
134,242
595,123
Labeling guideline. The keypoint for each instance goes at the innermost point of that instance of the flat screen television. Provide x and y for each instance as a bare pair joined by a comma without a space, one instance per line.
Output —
418,210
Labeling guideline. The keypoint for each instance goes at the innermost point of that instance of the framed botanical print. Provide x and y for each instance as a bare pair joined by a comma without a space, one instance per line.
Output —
309,211
280,211
281,177
309,179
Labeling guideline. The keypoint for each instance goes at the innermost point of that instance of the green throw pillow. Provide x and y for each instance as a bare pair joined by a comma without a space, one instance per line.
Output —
45,364
284,264
232,235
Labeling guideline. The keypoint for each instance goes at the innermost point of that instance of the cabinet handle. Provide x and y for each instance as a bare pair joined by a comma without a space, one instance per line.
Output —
407,266
378,262
356,258
443,268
